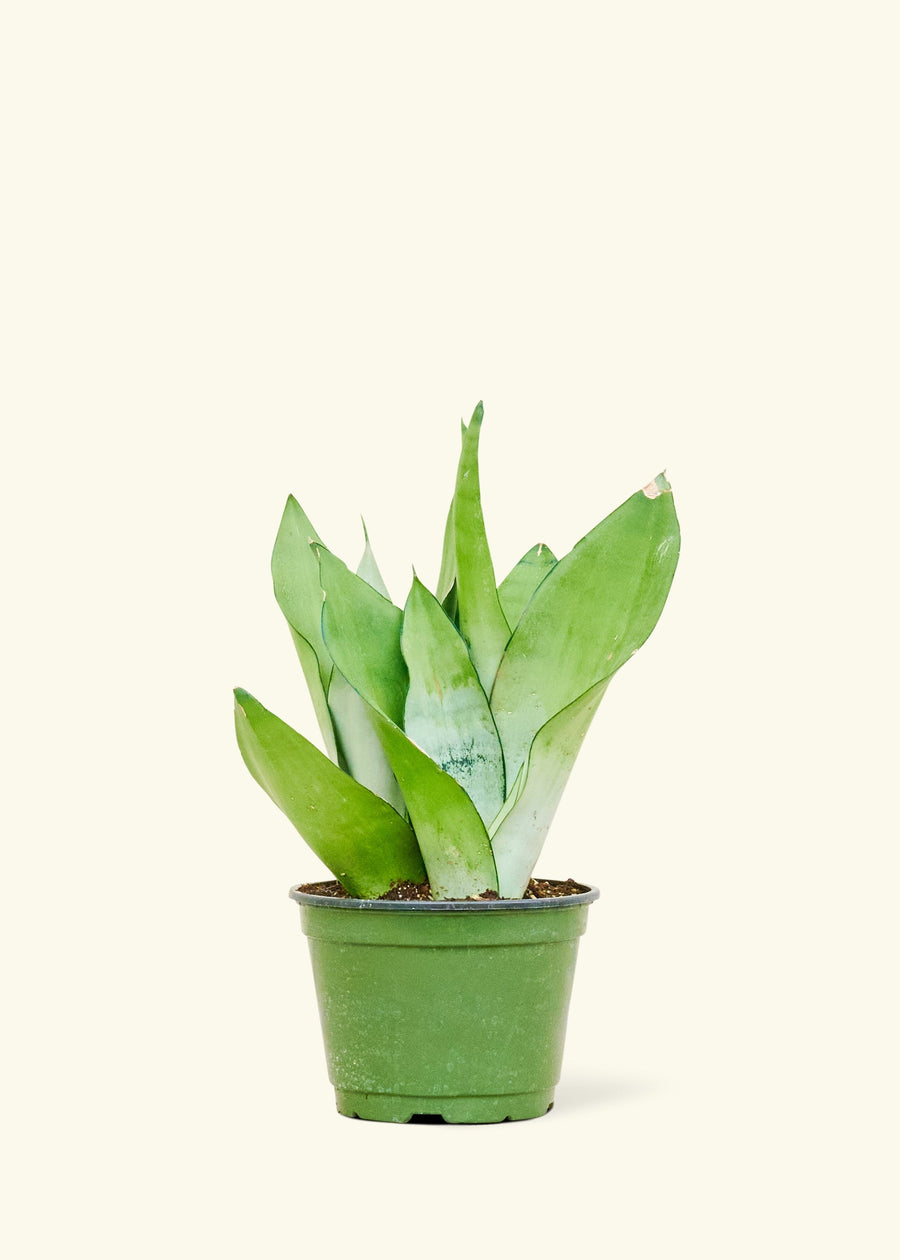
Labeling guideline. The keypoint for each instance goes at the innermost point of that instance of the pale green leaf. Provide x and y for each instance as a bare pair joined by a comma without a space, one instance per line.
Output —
368,631
361,753
362,840
447,577
519,831
368,568
590,614
451,836
521,582
447,714
312,673
364,629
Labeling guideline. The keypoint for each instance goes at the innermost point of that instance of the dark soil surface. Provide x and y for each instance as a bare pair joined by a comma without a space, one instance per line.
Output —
537,888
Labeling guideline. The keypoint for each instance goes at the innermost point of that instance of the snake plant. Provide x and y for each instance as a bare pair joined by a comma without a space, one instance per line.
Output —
451,725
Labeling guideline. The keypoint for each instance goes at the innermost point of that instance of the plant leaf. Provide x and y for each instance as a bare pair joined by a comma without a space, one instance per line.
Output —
481,620
590,614
295,576
312,673
362,841
447,577
451,836
519,831
450,605
361,753
368,568
447,713
365,629
368,627
521,582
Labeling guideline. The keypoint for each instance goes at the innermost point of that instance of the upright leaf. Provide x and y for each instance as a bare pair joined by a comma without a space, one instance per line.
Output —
589,615
309,663
361,753
368,568
365,629
295,575
480,617
369,633
362,841
451,836
518,833
447,576
447,713
521,582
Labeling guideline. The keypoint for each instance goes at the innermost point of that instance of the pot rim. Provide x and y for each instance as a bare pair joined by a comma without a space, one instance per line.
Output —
590,893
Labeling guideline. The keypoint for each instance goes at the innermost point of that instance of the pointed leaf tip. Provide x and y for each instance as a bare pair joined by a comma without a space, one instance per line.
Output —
368,568
467,563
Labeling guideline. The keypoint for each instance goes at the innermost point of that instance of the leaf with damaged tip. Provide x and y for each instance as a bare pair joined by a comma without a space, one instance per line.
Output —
447,714
591,613
522,581
362,840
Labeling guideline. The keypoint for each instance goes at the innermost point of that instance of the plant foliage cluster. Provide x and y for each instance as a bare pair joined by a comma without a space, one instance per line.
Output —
451,725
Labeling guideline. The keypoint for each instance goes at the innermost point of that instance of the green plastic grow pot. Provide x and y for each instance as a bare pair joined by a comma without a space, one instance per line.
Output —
453,1009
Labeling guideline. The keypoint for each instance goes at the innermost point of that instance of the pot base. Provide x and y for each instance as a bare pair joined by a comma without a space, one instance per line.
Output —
486,1109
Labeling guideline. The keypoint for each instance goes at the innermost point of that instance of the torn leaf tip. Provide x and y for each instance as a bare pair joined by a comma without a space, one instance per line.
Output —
659,485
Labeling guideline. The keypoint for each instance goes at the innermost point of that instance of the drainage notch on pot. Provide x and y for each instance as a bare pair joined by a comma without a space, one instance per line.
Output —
453,1010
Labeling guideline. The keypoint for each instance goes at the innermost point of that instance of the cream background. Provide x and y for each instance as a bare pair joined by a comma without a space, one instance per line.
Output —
250,249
